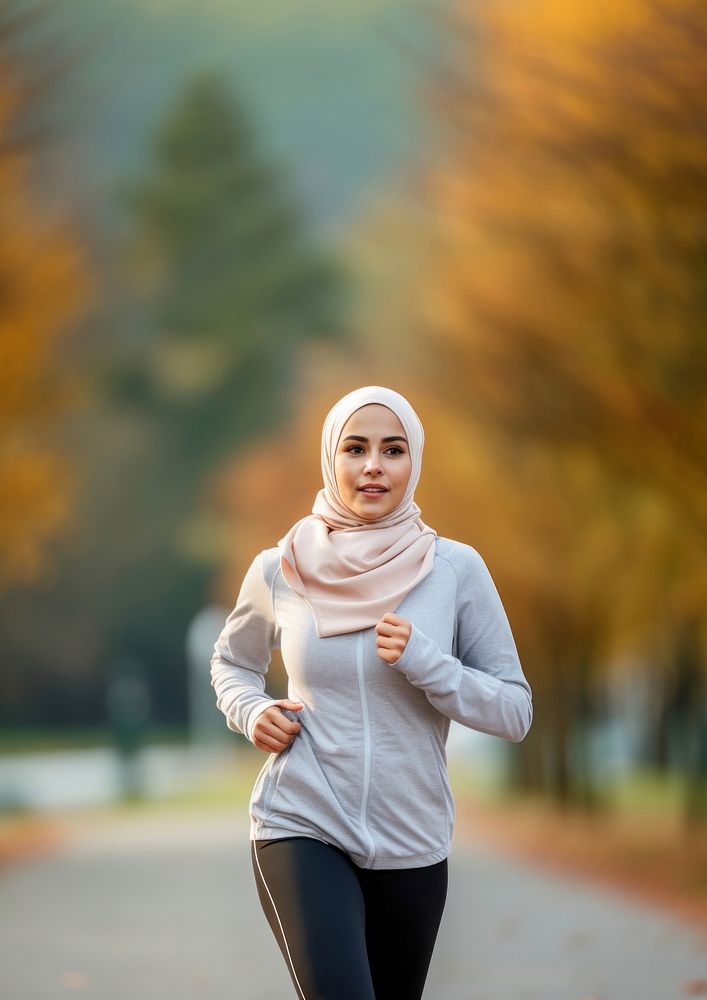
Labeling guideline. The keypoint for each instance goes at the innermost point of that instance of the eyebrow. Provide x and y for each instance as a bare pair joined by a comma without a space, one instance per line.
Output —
357,437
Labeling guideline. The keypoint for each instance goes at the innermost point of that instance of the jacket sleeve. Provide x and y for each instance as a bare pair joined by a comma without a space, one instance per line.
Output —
485,688
242,653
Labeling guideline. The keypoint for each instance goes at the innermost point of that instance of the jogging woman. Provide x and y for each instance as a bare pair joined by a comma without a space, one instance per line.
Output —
387,633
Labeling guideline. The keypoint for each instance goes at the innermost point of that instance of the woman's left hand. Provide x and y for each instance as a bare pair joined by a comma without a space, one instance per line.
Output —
393,634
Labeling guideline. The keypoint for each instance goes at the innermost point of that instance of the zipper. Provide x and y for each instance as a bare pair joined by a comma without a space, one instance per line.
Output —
366,745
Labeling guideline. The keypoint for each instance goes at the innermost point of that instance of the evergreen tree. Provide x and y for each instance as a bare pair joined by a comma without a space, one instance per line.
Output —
234,285
229,287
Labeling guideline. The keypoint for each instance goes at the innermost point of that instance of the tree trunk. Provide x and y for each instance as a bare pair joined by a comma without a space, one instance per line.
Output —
691,704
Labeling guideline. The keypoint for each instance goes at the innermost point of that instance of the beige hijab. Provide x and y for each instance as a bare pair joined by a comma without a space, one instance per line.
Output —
348,571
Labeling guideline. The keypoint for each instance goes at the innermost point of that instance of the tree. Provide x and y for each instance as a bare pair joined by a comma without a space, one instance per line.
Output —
232,283
565,294
45,290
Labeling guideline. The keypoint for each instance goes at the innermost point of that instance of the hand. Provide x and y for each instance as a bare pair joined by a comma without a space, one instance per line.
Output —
272,730
393,634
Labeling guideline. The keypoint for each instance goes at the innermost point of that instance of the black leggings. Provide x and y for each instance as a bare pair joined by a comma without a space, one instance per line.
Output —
349,933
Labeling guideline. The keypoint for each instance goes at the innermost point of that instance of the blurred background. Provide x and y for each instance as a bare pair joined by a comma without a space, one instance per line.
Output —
218,218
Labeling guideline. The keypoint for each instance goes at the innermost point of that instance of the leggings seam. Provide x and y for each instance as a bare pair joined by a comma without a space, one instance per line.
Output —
282,929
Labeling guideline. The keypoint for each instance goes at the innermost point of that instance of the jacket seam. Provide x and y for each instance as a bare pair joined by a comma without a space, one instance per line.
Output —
271,591
455,647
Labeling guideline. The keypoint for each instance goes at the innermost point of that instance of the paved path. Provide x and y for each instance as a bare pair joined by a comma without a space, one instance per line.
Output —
165,908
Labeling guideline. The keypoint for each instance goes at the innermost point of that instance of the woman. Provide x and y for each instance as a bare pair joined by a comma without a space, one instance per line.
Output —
387,632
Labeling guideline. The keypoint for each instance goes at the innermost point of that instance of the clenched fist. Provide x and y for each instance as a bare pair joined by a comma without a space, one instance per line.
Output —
272,730
393,634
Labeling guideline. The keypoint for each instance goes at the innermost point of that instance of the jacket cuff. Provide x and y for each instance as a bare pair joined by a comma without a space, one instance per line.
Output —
425,666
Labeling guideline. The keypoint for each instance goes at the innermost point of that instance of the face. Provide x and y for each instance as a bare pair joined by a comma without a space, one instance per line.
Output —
372,451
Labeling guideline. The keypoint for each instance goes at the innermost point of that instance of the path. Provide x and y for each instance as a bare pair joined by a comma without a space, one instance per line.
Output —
165,908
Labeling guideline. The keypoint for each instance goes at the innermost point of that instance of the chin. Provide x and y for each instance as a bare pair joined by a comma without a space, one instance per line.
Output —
372,515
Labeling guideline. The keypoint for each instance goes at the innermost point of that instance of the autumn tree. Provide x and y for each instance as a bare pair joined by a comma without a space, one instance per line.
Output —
565,294
44,292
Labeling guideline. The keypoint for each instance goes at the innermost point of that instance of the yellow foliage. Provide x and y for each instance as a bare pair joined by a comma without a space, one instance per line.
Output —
565,293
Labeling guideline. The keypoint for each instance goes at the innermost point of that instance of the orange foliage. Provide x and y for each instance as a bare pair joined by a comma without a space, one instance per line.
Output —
44,290
569,227
564,294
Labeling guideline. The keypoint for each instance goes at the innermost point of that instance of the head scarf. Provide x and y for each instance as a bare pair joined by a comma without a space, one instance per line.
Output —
348,571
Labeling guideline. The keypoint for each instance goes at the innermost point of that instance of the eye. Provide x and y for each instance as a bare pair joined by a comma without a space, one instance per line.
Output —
393,447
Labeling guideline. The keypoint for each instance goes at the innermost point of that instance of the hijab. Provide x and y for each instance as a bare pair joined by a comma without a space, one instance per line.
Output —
351,571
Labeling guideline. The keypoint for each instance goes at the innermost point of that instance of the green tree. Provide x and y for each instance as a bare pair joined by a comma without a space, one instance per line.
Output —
229,288
232,283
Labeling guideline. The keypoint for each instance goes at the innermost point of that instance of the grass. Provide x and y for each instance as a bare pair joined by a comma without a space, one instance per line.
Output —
28,739
650,793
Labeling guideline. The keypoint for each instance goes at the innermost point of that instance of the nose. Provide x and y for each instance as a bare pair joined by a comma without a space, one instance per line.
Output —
372,463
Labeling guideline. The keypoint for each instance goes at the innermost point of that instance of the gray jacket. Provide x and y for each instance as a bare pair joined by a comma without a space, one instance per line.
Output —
367,771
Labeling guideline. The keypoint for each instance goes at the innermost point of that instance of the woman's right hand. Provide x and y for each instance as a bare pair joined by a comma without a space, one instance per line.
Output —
272,730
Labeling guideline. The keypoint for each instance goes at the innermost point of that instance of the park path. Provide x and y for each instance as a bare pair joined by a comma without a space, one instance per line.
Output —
164,907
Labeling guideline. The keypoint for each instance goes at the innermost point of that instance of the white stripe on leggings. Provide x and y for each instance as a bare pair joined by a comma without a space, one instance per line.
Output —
292,964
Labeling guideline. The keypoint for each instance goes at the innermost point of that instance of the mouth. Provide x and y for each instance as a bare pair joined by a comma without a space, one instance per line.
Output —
372,491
